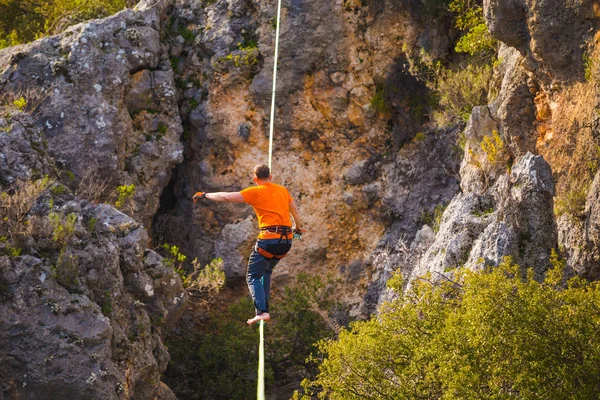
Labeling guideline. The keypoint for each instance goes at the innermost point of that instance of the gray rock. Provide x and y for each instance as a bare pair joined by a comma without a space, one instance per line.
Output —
359,173
243,130
234,247
507,22
581,238
520,224
84,322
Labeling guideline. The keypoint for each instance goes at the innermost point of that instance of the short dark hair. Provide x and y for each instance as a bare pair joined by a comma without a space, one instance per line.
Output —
262,171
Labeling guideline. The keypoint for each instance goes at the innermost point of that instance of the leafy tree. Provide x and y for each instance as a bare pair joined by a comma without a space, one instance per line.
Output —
488,335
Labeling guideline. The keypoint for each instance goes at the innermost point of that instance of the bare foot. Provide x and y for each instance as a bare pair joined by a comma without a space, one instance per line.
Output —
263,316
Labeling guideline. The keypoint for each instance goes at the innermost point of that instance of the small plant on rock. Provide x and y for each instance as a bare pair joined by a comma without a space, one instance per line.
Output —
208,280
20,103
124,195
494,148
63,227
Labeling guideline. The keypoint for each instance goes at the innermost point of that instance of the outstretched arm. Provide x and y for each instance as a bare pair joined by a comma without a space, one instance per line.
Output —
296,215
231,197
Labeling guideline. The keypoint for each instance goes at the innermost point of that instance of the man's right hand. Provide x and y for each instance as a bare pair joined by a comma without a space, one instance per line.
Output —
298,233
199,196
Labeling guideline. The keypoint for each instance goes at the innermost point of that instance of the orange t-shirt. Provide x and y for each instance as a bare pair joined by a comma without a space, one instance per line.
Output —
271,203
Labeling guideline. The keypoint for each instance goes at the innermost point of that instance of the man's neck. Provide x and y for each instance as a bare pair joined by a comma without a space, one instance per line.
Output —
259,182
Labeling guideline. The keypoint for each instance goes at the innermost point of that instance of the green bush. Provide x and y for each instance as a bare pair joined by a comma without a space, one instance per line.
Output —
124,195
208,280
174,258
63,227
462,89
488,335
22,21
220,362
379,102
494,148
469,18
572,202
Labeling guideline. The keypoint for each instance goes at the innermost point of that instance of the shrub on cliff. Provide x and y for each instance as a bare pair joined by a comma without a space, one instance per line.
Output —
469,18
22,21
488,335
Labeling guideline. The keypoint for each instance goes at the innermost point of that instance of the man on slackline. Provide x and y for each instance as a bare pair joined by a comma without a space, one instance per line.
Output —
272,204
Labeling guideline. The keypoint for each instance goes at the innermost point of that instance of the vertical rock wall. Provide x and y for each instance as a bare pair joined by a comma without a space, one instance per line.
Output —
334,149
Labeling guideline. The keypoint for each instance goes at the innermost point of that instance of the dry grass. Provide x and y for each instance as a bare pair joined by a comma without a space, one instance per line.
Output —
26,99
14,208
92,187
569,142
569,135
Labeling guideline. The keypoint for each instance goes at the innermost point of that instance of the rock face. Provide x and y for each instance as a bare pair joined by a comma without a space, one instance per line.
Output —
105,101
507,204
84,302
546,32
335,151
83,318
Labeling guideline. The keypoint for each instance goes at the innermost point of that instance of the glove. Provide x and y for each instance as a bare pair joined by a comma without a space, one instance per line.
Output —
199,196
298,233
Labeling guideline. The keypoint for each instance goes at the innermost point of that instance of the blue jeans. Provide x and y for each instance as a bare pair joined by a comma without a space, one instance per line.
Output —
258,275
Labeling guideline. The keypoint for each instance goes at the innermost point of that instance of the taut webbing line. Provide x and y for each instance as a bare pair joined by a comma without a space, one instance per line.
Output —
260,391
274,85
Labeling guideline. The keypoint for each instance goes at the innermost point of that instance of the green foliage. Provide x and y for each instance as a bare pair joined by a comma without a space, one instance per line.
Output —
22,21
8,249
58,190
124,195
462,89
208,280
220,361
493,147
162,128
70,176
434,218
420,137
379,102
20,103
588,67
490,335
572,202
92,224
15,207
175,259
483,213
186,34
246,55
469,17
193,103
63,227
66,269
106,306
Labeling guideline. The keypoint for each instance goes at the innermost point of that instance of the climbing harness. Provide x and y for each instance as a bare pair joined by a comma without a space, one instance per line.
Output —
260,390
280,249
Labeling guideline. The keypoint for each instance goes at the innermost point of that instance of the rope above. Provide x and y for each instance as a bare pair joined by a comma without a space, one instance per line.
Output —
272,120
